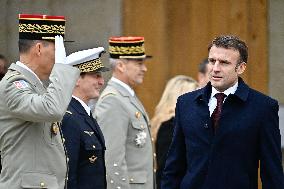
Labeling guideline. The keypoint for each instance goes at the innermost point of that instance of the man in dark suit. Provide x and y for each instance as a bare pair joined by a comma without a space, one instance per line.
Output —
83,138
225,129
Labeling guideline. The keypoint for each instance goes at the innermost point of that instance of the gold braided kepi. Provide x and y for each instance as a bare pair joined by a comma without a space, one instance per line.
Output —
40,27
127,47
88,60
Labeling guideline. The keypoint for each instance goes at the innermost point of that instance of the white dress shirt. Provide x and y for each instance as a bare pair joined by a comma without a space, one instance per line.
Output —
86,107
213,101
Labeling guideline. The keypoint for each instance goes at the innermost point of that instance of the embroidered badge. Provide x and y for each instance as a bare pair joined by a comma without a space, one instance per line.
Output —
140,139
89,132
21,84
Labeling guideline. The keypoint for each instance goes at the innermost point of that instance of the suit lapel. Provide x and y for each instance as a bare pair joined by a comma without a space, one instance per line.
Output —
95,127
230,107
136,102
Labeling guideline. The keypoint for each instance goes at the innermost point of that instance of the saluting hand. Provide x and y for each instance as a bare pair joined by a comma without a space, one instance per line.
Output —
60,54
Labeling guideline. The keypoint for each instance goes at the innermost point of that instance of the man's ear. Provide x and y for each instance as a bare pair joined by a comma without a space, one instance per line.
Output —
78,81
241,67
120,66
38,49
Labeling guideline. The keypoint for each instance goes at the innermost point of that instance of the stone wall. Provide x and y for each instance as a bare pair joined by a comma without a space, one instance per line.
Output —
88,22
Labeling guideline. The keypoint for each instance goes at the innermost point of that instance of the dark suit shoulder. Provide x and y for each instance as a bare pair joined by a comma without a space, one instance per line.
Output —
262,98
70,118
70,112
190,96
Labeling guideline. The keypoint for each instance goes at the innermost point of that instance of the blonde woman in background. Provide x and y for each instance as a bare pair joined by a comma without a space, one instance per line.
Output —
162,123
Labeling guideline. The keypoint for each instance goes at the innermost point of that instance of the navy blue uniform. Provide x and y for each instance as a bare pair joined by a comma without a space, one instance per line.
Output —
85,147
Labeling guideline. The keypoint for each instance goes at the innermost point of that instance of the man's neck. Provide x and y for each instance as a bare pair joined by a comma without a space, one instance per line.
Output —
34,67
83,103
124,85
80,95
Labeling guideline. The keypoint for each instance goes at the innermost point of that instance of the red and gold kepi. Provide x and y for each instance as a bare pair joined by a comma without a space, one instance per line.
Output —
127,47
40,27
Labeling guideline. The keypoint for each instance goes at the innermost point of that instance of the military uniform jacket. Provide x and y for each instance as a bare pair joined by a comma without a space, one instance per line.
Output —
85,148
124,122
32,152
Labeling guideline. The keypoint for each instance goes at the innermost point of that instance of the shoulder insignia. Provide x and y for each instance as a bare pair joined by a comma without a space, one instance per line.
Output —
68,112
21,84
12,75
107,94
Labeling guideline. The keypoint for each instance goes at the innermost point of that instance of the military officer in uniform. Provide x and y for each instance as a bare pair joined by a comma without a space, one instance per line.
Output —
123,119
35,94
83,137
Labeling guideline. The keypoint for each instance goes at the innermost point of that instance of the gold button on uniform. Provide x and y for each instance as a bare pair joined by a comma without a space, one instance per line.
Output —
94,146
131,180
42,184
137,115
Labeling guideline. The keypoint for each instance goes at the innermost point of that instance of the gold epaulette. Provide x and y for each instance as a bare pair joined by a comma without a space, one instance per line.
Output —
12,75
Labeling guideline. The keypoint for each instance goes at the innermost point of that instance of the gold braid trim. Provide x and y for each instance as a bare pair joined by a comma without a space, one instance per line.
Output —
36,28
127,50
90,66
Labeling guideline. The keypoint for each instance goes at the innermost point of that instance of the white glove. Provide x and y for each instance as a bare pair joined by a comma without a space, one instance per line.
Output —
60,54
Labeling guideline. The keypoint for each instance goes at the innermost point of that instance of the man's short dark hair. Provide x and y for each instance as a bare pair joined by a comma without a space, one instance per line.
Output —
231,42
202,68
26,44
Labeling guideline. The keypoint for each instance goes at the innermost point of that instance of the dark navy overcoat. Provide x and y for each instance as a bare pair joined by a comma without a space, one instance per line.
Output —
228,159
